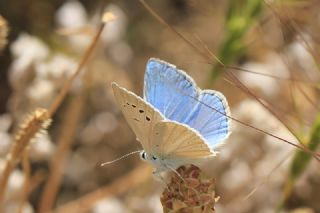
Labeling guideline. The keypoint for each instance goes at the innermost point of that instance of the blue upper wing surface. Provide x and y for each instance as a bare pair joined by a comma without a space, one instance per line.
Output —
210,116
168,90
176,96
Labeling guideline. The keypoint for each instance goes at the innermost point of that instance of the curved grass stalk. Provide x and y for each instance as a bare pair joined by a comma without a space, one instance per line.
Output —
301,160
232,78
73,115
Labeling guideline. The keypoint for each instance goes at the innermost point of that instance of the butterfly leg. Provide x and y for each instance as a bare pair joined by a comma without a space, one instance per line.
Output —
174,171
157,175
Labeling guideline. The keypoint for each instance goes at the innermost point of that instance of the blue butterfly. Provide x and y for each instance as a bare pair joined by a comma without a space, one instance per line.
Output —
176,122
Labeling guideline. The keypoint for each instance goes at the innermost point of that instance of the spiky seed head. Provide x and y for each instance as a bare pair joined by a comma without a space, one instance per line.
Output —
189,192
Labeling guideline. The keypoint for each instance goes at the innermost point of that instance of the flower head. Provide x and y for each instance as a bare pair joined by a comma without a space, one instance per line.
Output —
190,191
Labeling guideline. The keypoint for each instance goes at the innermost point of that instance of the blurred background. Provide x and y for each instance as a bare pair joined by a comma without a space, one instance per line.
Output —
269,46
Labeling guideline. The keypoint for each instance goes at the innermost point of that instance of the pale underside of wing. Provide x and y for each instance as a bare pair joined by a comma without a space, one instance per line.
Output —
140,115
175,142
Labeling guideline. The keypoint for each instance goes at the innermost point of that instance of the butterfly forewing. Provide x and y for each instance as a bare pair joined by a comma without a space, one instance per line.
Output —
177,97
164,80
140,115
174,141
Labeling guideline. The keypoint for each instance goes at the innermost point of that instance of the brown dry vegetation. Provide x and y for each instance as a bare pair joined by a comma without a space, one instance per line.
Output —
270,46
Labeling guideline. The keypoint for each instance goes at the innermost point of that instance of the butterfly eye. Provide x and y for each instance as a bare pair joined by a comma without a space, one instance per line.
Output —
143,155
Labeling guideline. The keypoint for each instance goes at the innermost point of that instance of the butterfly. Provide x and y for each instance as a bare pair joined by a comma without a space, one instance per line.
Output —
175,122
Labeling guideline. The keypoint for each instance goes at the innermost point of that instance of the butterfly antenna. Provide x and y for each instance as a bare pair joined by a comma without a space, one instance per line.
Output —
158,175
120,158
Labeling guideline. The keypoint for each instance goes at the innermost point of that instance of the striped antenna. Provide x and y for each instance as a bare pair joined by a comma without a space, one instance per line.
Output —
120,158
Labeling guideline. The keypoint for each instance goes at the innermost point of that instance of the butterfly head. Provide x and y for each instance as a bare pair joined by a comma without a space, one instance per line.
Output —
152,159
148,157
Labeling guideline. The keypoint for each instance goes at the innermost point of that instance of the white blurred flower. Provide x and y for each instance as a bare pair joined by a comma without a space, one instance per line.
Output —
299,54
269,86
26,50
100,124
41,148
151,203
121,52
5,138
14,206
113,36
266,84
154,203
15,184
72,14
266,210
75,173
302,210
109,205
237,176
115,29
105,122
5,122
41,91
264,168
278,146
58,67
2,164
255,114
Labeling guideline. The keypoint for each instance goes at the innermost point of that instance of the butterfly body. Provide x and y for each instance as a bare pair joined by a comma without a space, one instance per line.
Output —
155,160
176,122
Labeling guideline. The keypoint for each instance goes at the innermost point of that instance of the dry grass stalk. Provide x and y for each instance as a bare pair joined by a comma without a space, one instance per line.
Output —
73,114
3,32
58,100
85,30
120,186
35,122
69,126
26,184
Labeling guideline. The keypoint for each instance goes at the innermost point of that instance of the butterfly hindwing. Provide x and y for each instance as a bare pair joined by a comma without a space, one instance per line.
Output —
211,117
177,142
177,97
140,115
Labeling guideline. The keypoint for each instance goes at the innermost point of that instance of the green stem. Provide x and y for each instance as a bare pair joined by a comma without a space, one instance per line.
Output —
301,160
239,19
